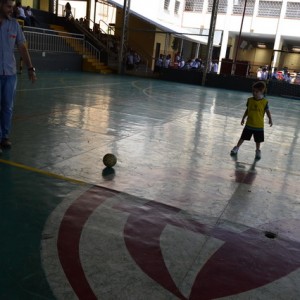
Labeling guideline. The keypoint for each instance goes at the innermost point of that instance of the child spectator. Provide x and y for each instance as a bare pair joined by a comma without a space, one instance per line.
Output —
159,63
215,67
136,60
167,61
181,63
264,74
274,75
287,78
29,14
129,60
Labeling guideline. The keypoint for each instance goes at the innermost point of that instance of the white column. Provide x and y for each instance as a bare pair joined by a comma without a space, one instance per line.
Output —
255,13
181,46
278,38
277,46
224,44
197,50
225,34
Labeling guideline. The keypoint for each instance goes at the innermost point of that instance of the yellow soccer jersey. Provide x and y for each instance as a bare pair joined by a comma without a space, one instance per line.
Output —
256,112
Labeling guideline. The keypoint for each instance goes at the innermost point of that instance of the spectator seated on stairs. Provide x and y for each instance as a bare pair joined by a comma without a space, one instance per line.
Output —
86,24
20,14
29,14
136,60
129,60
80,21
96,29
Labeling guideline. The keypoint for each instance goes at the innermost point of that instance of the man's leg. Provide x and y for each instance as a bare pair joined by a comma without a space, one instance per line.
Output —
8,91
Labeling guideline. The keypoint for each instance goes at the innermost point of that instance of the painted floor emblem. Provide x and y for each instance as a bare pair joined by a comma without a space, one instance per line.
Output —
243,261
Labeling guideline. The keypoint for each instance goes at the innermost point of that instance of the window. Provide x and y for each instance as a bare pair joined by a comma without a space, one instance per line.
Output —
194,5
293,10
222,8
239,8
269,8
177,5
166,5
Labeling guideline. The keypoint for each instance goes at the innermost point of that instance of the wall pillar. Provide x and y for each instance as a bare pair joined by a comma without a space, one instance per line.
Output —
224,44
276,55
88,9
197,50
278,38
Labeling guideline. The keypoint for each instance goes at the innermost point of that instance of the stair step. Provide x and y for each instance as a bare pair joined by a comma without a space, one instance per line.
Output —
57,27
90,64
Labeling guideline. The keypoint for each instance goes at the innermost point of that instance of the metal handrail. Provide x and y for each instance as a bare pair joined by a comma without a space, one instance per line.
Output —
60,41
41,41
92,51
109,27
52,31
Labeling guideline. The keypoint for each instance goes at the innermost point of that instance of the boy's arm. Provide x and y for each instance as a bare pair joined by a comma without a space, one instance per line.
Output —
244,116
270,117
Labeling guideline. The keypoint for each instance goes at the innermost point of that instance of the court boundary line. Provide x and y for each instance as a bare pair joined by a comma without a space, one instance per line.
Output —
43,172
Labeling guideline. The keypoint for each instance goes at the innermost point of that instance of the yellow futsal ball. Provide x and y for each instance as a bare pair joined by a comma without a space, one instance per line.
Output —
109,160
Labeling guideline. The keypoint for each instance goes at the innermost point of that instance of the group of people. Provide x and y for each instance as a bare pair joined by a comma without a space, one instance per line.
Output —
25,14
133,60
264,73
164,61
84,22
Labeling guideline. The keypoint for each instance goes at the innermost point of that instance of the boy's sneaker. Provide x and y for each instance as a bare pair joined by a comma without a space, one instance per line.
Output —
257,154
234,150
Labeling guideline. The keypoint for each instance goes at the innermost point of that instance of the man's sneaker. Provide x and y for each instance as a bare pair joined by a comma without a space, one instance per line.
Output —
234,150
257,154
5,143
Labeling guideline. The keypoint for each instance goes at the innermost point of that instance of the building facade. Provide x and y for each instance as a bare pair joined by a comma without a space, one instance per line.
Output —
255,31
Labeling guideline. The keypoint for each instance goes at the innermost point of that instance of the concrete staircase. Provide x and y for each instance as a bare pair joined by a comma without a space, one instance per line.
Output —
90,62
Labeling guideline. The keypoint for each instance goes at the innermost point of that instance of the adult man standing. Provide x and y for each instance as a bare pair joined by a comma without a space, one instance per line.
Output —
10,35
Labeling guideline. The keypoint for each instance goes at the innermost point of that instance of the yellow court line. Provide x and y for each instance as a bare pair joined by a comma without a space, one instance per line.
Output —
49,174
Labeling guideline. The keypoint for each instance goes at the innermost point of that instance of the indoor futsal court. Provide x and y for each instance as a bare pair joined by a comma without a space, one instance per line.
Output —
176,218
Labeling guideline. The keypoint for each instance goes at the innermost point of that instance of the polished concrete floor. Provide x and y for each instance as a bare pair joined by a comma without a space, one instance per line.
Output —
176,218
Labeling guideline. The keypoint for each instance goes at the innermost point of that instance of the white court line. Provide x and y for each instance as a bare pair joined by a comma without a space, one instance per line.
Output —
154,96
68,86
144,90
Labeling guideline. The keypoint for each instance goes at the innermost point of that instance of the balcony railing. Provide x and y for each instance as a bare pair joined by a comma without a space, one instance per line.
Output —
238,9
222,8
194,5
269,8
293,10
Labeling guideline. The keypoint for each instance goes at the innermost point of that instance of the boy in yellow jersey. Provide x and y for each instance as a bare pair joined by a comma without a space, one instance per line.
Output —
257,106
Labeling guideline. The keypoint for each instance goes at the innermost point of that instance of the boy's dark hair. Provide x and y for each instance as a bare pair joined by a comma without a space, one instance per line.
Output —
260,85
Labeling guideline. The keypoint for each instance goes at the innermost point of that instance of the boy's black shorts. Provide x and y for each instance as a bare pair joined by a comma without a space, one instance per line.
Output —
258,135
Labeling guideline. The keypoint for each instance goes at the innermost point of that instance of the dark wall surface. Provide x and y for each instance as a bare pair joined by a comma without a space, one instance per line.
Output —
54,61
239,83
